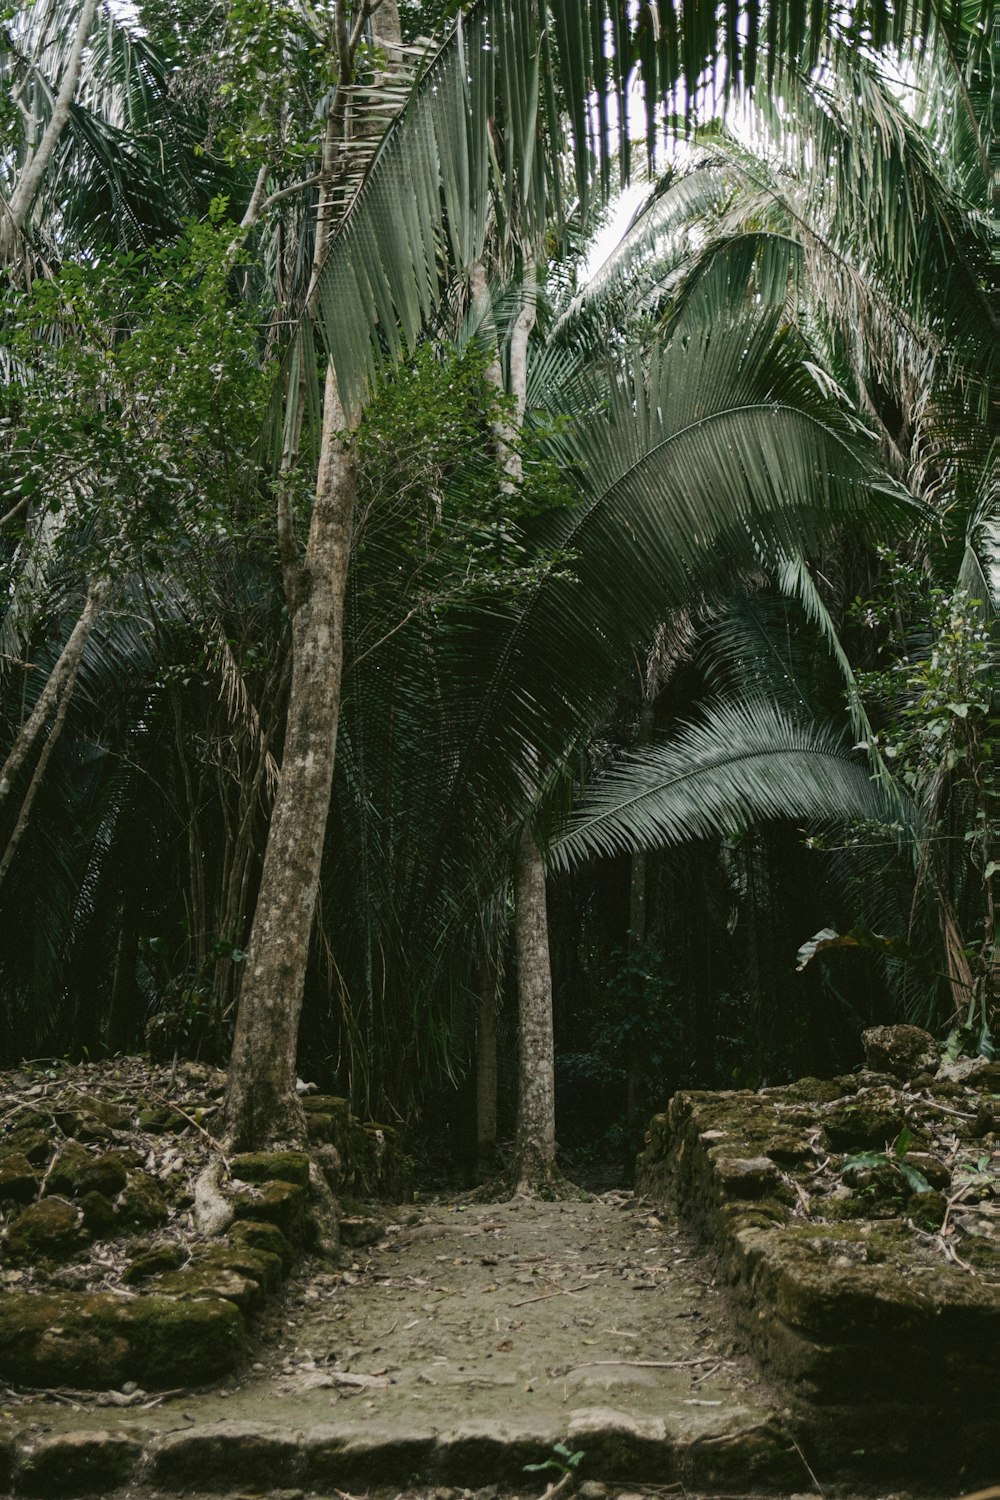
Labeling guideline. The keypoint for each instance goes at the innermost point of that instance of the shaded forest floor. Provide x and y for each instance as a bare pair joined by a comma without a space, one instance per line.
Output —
457,1349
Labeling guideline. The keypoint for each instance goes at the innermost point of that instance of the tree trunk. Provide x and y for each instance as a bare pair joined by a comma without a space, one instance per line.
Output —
262,1108
55,694
636,1044
14,217
486,1069
535,1147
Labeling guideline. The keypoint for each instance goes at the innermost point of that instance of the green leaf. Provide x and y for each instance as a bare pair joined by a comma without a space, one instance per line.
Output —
865,1159
917,1181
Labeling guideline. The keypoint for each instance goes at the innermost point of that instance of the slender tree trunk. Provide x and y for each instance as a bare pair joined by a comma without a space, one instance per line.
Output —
262,1107
535,1147
15,216
59,686
636,1046
486,1068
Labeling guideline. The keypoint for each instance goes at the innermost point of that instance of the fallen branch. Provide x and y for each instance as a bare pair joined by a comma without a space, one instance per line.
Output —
648,1364
563,1291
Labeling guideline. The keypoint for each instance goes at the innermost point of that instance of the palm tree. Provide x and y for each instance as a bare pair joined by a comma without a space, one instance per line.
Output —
482,133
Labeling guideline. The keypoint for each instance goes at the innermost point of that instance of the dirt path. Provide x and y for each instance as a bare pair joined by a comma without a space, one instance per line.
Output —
462,1345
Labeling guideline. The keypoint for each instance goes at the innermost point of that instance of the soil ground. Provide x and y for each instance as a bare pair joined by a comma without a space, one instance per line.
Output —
463,1344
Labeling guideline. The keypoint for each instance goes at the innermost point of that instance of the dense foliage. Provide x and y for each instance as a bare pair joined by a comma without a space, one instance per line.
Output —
725,631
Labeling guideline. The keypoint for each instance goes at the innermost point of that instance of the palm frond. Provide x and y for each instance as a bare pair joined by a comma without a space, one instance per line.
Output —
747,762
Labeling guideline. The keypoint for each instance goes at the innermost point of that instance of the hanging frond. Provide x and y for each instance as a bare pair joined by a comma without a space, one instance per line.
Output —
747,762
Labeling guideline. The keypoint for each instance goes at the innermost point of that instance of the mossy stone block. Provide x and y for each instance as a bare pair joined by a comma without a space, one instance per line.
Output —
280,1203
98,1214
864,1123
272,1166
259,1235
83,1125
105,1174
744,1177
262,1266
173,1341
66,1338
224,1456
151,1262
70,1464
32,1141
211,1281
46,1231
18,1178
63,1176
141,1204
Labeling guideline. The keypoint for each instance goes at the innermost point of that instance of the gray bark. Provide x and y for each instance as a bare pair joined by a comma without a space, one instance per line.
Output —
535,1146
59,686
486,1069
26,189
261,1104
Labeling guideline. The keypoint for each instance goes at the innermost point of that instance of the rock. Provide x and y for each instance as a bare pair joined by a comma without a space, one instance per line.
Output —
157,1258
262,1266
744,1177
141,1204
96,1341
927,1210
77,1463
31,1141
173,1342
280,1203
961,1070
259,1235
98,1214
200,1281
213,1211
225,1455
932,1167
107,1173
272,1166
46,1231
902,1051
357,1231
869,1122
64,1174
18,1178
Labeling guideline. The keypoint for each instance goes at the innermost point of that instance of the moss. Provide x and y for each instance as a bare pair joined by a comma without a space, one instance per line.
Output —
98,1214
183,1343
808,1091
280,1203
141,1204
868,1122
49,1339
64,1174
18,1178
106,1174
272,1166
210,1281
166,1257
262,1266
46,1231
31,1141
259,1235
927,1210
